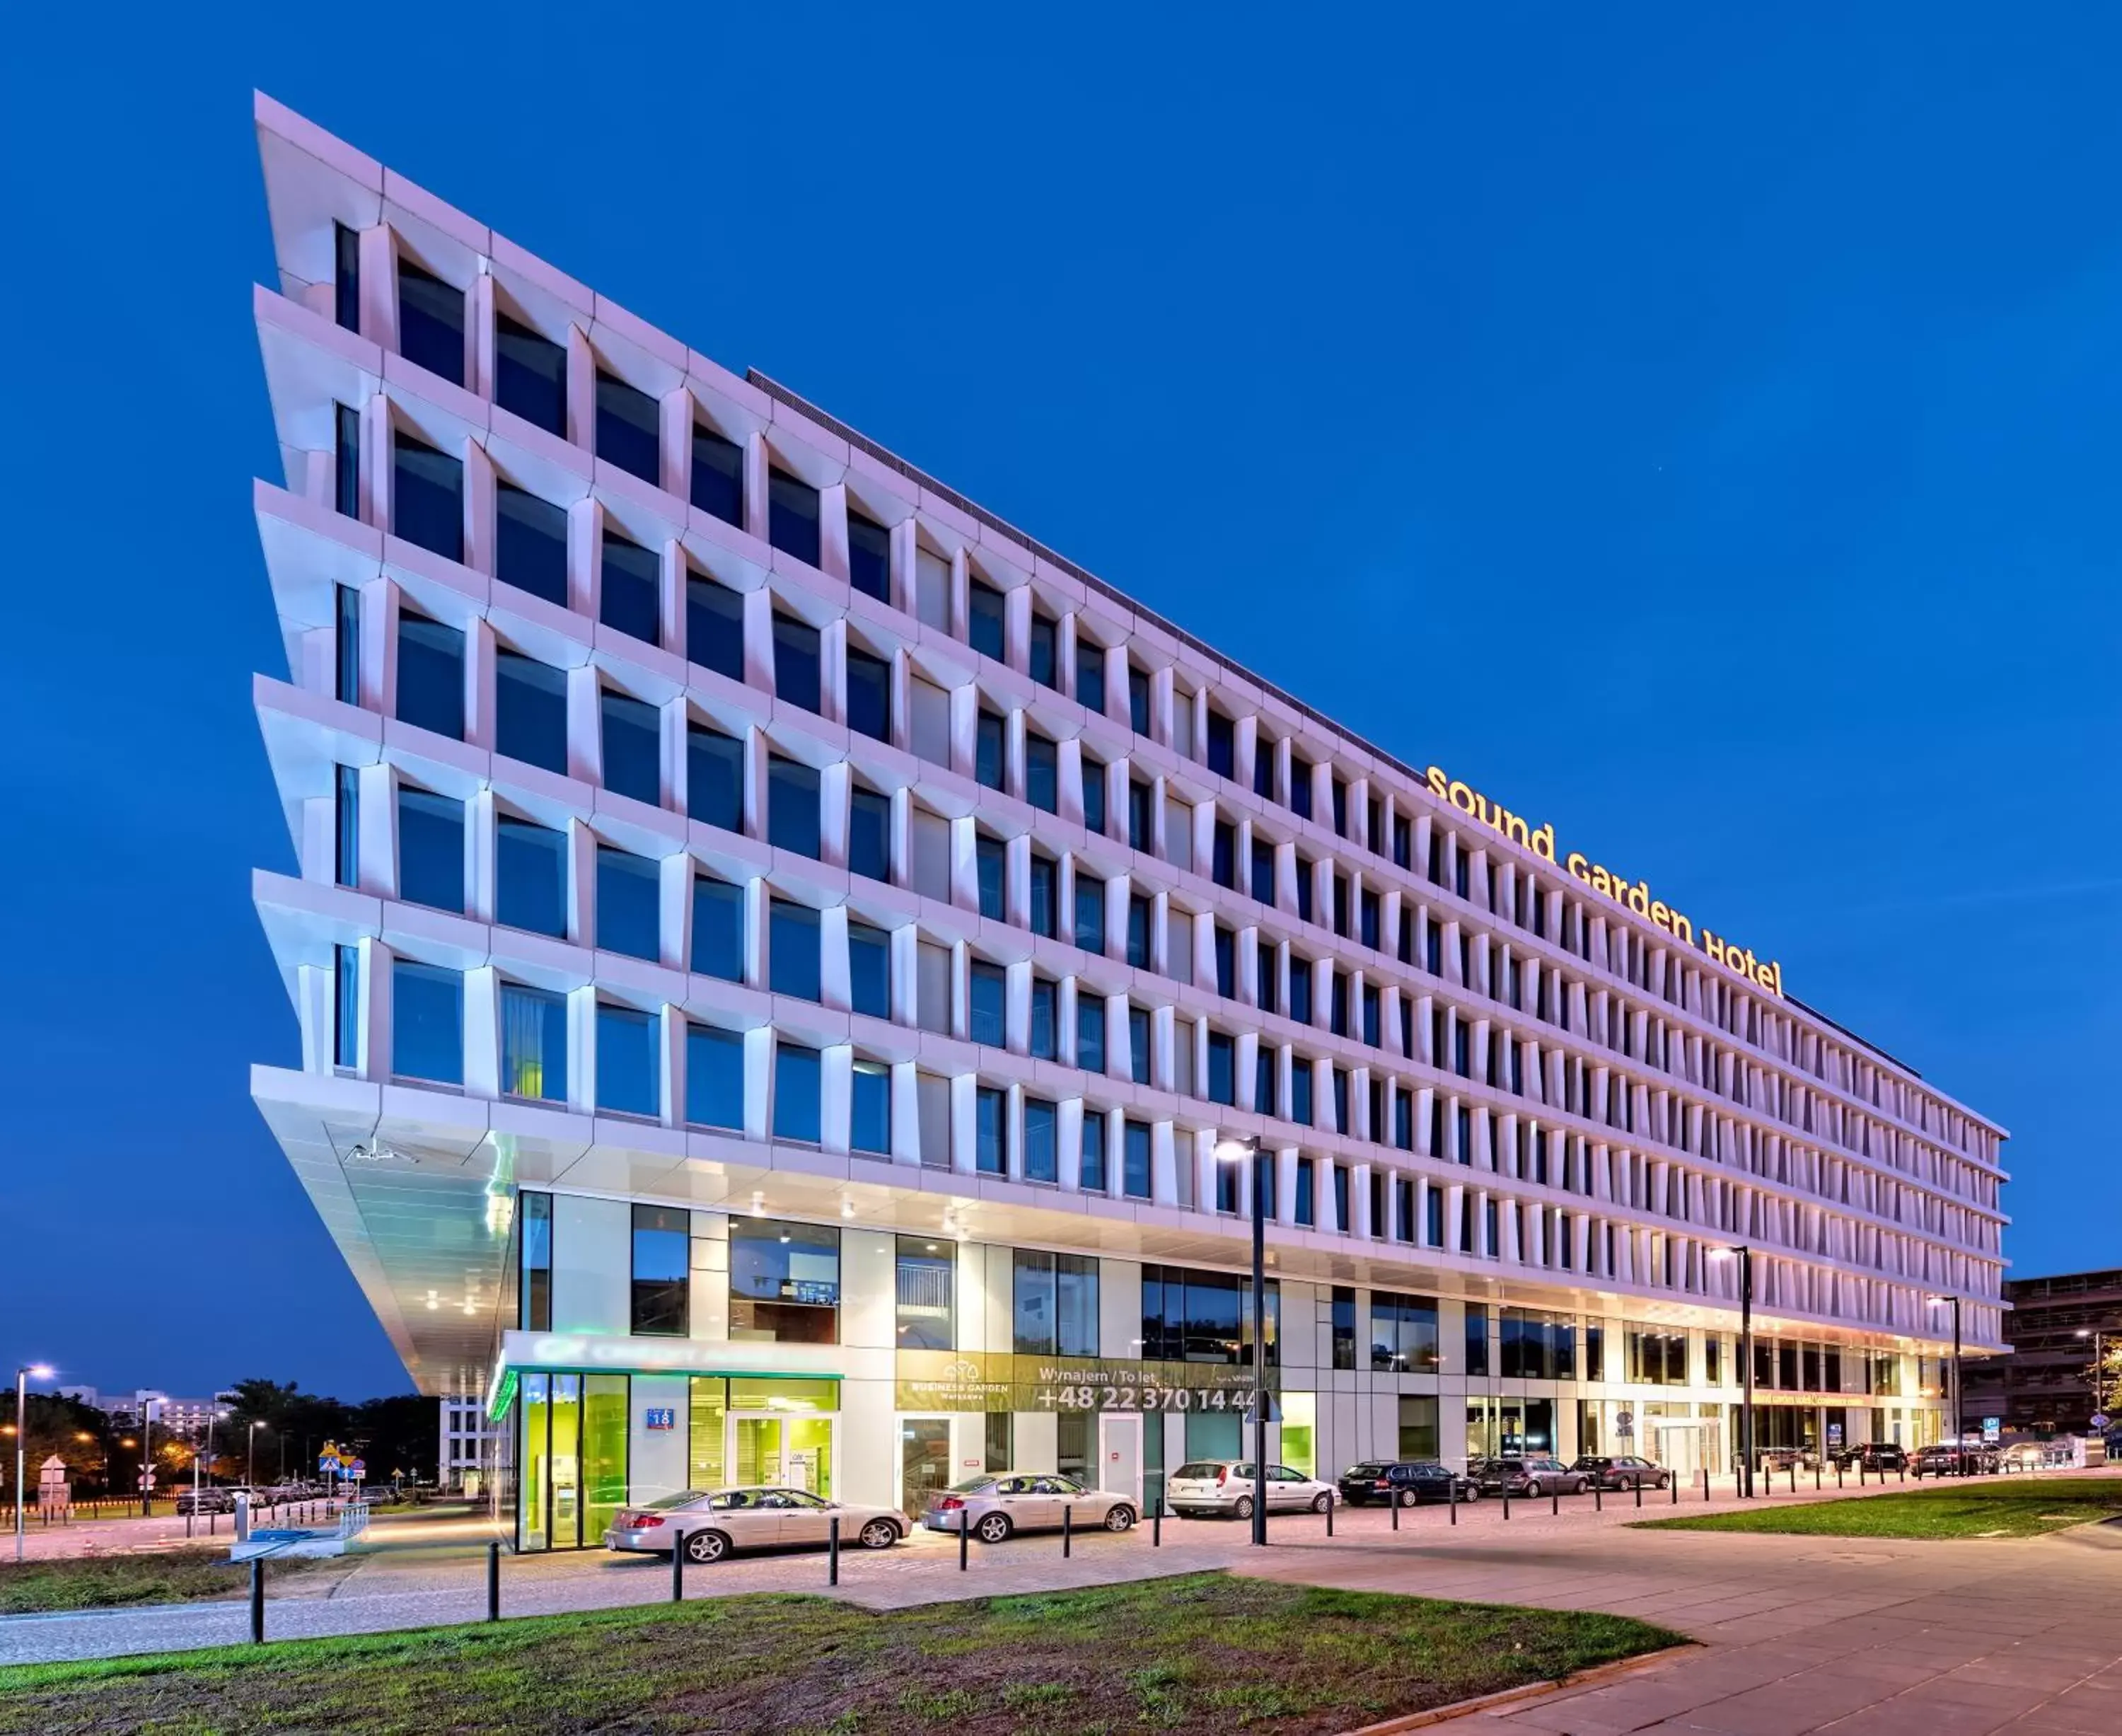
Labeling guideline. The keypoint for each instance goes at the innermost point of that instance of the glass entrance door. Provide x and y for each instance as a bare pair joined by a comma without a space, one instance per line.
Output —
924,1461
772,1450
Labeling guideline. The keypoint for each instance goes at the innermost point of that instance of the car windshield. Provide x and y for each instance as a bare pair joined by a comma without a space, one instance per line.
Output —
1368,1469
1199,1468
685,1499
972,1485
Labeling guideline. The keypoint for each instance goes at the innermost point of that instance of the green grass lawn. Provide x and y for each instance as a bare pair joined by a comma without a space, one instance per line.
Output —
2017,1507
1204,1653
113,1581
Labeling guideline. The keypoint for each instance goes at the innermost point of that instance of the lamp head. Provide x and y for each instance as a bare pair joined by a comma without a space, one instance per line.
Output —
1235,1151
40,1371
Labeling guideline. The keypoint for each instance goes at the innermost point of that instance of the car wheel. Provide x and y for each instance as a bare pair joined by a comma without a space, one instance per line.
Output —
1534,1488
704,1548
1408,1497
1472,1492
1244,1509
1120,1517
879,1534
993,1528
1320,1503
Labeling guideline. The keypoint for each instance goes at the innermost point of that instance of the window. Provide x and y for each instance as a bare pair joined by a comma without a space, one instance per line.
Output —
346,278
628,426
869,694
1223,745
1054,1303
1090,673
1655,1359
714,626
717,476
1417,1427
932,851
1091,1174
714,1076
991,1131
1264,768
1090,1032
431,322
1138,699
1135,1166
1268,975
795,664
1094,795
1300,1085
346,1006
869,834
1369,913
431,849
530,711
714,778
662,1258
1343,1315
988,753
1227,962
869,970
346,826
1373,1023
1042,773
869,556
987,871
1045,896
784,1282
1190,1315
1045,1016
1340,793
529,876
1041,1130
1307,1194
1137,931
926,1289
1265,1066
1138,1054
537,1267
988,996
633,746
427,1022
798,1114
1089,913
629,899
791,516
1300,990
793,950
869,1109
1223,1068
984,628
1045,650
1403,1333
431,678
426,505
1263,875
717,928
346,464
530,374
529,544
534,1043
1223,854
1537,1346
792,809
1300,786
629,598
1304,879
1342,1218
1141,820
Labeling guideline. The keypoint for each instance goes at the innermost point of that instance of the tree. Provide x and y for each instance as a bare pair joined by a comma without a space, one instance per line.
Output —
80,1436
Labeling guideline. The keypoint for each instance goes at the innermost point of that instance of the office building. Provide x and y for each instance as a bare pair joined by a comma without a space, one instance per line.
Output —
2056,1326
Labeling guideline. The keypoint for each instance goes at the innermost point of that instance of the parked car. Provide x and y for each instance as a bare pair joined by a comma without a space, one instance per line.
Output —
1622,1471
2023,1456
1945,1459
1786,1458
1519,1474
198,1503
1409,1481
1872,1456
1205,1487
708,1524
1006,1501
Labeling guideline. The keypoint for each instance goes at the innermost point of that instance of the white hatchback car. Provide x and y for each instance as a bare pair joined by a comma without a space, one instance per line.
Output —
707,1525
1224,1488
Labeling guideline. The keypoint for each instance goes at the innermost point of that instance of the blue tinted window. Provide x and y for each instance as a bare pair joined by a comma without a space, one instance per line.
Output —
1045,1012
869,969
632,747
346,1006
1089,913
1041,1155
431,849
869,694
791,516
431,678
626,428
1094,794
346,277
987,751
714,626
792,948
991,1131
717,475
346,462
1300,1093
1308,1203
714,1076
531,876
1263,871
530,374
717,928
530,711
431,322
1134,1170
988,866
1089,674
427,1022
1300,990
1044,895
795,1094
1222,1068
1223,745
795,662
1045,648
986,634
530,544
1304,876
627,1071
346,645
989,995
346,826
869,834
427,500
791,806
1090,1032
628,898
534,1043
1300,786
1042,774
1138,1044
1092,1173
869,1127
1138,699
714,778
632,578
1264,1078
869,557
1138,932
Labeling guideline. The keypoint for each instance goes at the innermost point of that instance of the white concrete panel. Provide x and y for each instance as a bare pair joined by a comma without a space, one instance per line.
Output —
592,1263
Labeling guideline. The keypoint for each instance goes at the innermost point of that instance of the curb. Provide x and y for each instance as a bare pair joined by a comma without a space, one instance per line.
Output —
1530,1690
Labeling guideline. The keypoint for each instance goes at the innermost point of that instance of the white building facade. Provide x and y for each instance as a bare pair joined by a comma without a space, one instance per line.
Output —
778,951
467,1443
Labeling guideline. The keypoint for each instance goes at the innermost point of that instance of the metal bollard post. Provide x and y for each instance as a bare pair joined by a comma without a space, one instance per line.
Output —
833,1550
1067,1532
1860,1473
493,1579
965,1532
678,1569
1639,1492
1673,1484
1705,1483
1793,1477
1599,1495
1554,1502
1507,1503
1452,1501
1815,1477
257,1600
210,1517
1838,1473
1156,1525
1904,1471
1329,1516
189,1522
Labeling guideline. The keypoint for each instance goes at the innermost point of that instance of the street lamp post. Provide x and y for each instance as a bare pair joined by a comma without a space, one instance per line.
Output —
147,1457
251,1457
2098,1334
39,1371
1959,1422
1745,1256
1237,1151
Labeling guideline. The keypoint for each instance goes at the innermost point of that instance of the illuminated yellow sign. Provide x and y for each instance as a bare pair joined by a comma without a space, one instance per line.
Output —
1636,895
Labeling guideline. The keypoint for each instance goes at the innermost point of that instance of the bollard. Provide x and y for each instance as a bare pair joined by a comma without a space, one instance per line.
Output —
1452,1501
1598,1494
493,1579
1639,1493
1067,1532
1673,1484
210,1518
257,1600
1156,1525
833,1549
1329,1516
1554,1502
1392,1500
1838,1473
1507,1503
1904,1471
1705,1483
189,1522
1815,1477
678,1569
965,1533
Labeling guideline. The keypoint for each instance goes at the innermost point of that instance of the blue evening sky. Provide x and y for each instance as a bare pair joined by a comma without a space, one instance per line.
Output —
1700,431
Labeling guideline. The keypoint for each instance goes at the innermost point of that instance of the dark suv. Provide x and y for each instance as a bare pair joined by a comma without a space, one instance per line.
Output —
1622,1471
1872,1456
1522,1474
1408,1482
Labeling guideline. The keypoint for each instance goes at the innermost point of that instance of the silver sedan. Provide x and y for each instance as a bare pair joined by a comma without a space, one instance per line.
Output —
993,1506
708,1524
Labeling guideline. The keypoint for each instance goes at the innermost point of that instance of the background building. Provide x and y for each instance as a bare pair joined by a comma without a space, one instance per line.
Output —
2045,1386
777,952
465,1451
